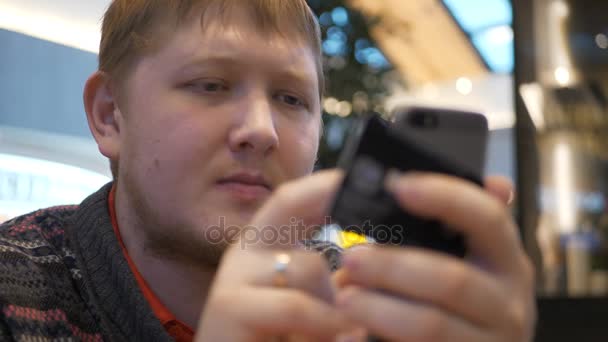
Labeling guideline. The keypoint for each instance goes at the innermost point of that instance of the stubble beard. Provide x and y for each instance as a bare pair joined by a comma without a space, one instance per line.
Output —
176,242
182,247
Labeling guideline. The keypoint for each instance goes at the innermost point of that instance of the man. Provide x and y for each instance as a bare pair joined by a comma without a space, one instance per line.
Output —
209,112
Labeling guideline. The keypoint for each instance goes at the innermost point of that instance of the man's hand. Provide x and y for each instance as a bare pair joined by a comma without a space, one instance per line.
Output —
409,294
245,303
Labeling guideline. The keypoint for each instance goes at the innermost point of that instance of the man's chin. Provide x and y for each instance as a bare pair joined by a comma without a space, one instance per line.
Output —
230,218
204,239
187,246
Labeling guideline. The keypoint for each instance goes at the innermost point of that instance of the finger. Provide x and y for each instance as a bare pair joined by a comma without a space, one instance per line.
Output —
340,278
303,204
358,335
500,187
428,277
303,270
398,320
488,227
271,312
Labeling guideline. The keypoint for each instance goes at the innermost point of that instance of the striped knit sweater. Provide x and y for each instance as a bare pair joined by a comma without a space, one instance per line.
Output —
63,277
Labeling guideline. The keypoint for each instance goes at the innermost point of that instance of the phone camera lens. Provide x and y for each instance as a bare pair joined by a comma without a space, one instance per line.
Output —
424,120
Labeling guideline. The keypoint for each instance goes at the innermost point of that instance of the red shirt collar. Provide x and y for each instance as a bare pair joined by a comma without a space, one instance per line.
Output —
176,329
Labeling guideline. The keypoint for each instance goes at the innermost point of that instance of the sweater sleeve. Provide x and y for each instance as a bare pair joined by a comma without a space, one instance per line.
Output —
5,333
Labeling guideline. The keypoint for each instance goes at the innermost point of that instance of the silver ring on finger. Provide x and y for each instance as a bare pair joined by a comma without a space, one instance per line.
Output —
281,264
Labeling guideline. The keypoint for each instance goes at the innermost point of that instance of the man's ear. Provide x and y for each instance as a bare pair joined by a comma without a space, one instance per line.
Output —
103,115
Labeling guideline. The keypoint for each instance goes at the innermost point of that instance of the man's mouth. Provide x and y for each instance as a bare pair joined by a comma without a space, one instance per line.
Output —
245,186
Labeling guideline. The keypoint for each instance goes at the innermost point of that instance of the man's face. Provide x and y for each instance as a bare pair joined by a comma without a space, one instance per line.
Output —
213,122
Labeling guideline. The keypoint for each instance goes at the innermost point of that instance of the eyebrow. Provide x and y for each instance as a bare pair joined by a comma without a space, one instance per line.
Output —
285,74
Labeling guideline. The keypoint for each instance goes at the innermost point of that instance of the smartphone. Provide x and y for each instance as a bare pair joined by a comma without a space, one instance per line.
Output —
411,143
455,135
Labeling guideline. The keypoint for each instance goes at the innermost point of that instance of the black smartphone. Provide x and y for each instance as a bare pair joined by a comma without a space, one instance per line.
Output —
420,139
455,135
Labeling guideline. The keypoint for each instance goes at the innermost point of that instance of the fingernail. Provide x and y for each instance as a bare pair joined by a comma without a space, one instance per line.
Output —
391,180
340,278
511,197
397,181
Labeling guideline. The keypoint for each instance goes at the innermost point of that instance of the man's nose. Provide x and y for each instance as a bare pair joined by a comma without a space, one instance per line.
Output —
255,130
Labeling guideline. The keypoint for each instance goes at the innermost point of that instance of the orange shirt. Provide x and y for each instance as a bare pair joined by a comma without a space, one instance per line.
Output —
176,329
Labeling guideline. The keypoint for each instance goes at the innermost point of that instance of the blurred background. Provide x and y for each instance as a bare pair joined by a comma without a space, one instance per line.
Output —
537,69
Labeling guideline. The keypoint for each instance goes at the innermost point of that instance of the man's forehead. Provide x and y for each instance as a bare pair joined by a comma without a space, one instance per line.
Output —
235,45
242,18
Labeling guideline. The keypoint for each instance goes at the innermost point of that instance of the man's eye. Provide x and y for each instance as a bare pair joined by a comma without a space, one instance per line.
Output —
291,100
213,87
207,86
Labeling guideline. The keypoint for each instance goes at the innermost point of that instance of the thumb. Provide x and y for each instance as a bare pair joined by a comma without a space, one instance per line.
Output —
501,188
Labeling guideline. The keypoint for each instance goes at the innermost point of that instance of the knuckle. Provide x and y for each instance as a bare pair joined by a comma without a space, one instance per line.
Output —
519,321
354,294
496,214
390,262
294,307
432,326
315,278
456,283
313,267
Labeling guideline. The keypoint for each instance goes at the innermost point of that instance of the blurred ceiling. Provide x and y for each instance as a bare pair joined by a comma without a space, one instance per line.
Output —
67,22
423,40
488,24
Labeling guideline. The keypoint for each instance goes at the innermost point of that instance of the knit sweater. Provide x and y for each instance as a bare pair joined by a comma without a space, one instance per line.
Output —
64,277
